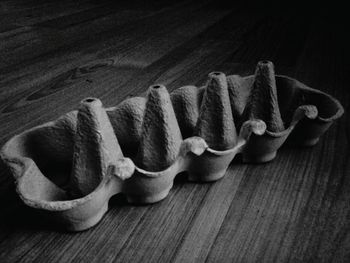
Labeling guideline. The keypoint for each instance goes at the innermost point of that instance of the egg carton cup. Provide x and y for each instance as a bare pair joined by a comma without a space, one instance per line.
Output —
68,169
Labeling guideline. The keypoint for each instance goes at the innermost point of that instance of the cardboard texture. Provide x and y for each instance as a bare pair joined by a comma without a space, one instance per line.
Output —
69,168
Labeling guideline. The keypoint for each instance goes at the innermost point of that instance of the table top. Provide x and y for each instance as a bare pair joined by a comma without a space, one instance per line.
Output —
293,209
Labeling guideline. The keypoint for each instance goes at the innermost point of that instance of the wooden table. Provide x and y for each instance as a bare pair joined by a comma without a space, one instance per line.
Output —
294,209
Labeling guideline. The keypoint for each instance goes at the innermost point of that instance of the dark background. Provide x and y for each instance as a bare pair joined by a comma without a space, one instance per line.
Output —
294,209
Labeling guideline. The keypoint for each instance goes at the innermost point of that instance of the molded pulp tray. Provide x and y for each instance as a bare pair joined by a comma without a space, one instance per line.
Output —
69,168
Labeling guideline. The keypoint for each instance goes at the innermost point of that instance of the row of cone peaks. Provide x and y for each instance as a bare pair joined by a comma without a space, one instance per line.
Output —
213,117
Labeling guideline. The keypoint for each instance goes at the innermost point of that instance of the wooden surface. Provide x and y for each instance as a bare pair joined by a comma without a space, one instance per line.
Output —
294,209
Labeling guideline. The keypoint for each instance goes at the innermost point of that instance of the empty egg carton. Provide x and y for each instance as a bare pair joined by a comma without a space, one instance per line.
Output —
69,168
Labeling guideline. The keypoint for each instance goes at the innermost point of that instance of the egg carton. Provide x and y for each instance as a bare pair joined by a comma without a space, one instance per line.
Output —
68,169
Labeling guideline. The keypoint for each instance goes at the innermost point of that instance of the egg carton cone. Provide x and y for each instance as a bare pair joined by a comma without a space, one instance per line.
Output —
68,169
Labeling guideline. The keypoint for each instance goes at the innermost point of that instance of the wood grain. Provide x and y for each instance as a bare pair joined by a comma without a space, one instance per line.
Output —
294,209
